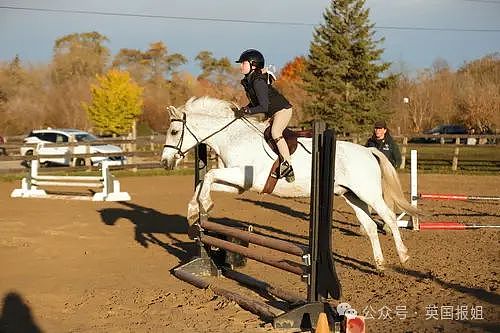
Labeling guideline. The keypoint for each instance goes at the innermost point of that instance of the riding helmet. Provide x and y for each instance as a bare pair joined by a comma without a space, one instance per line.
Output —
254,57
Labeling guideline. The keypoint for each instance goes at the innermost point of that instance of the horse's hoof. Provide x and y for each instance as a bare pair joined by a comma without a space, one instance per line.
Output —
192,218
193,231
404,258
380,266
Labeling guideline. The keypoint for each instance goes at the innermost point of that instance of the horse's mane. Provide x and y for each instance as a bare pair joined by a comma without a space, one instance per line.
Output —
210,106
216,108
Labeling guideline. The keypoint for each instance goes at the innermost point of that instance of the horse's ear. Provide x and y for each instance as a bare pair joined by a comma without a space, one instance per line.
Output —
172,111
235,108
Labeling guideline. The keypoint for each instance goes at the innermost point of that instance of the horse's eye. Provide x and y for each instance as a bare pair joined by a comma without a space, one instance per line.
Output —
174,132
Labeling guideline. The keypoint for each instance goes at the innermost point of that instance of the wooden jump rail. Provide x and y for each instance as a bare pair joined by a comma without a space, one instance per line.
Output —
294,268
110,187
461,197
250,237
415,224
316,267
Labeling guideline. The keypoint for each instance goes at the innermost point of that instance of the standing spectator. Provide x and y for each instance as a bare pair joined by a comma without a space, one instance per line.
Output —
3,151
383,141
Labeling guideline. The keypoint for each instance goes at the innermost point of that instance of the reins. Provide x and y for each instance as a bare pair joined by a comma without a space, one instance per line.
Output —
182,153
185,126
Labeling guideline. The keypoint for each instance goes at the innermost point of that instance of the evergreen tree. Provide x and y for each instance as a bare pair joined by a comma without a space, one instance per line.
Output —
343,73
116,103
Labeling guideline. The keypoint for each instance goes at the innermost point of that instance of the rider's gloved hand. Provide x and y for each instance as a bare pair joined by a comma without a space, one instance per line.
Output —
242,111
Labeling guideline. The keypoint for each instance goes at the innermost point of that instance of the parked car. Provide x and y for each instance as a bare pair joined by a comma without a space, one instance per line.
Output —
449,129
65,136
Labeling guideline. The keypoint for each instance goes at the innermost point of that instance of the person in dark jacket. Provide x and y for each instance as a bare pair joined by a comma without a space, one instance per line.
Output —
383,141
264,98
3,151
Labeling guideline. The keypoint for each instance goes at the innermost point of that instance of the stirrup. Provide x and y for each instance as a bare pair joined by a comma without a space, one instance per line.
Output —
290,177
286,171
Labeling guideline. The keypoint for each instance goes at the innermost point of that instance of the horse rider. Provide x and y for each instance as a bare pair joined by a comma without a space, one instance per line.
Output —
264,98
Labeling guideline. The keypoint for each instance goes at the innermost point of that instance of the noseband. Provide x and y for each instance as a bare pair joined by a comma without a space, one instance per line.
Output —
178,147
179,144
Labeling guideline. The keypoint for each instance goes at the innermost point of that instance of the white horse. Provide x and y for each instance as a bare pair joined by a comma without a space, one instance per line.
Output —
362,174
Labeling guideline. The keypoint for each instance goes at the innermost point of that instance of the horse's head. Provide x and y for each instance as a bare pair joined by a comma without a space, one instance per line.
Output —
180,139
199,120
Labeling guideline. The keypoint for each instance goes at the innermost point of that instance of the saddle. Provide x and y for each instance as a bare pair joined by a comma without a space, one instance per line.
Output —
291,140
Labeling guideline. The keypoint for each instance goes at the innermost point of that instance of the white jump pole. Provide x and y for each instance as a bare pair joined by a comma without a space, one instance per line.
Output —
412,222
414,186
110,186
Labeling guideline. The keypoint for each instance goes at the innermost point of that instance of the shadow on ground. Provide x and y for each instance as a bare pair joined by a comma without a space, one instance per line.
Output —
16,316
148,223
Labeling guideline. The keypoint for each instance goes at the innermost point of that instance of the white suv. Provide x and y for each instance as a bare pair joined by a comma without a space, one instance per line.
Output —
62,136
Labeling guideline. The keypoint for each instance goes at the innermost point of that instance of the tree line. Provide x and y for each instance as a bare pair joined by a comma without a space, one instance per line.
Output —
342,80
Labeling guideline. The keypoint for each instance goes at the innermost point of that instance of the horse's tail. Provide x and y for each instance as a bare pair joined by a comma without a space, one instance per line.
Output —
391,187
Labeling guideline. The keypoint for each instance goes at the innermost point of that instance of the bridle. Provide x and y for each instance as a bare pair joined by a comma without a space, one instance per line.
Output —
182,153
185,127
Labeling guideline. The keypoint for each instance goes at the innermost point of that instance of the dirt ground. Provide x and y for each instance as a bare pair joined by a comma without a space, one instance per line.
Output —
79,266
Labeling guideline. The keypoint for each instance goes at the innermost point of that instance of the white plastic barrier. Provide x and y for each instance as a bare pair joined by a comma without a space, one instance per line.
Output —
110,187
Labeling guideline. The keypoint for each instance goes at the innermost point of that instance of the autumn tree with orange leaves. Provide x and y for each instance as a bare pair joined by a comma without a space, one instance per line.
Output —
290,83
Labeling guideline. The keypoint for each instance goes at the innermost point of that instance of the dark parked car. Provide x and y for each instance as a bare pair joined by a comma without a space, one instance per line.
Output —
449,129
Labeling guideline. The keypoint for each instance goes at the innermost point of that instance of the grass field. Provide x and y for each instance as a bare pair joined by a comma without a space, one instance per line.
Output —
474,159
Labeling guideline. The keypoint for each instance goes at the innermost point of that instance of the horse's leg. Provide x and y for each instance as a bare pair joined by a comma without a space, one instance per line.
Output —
232,180
361,210
193,208
390,219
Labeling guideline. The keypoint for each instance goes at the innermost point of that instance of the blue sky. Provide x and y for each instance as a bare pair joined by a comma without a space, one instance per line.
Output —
31,34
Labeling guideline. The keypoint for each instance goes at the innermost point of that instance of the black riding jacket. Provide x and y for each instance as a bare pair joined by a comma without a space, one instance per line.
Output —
388,147
263,97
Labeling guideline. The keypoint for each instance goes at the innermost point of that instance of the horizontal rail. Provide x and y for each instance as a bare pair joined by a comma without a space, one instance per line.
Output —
150,154
249,237
257,307
77,143
129,166
70,178
452,226
69,184
263,286
461,197
295,268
